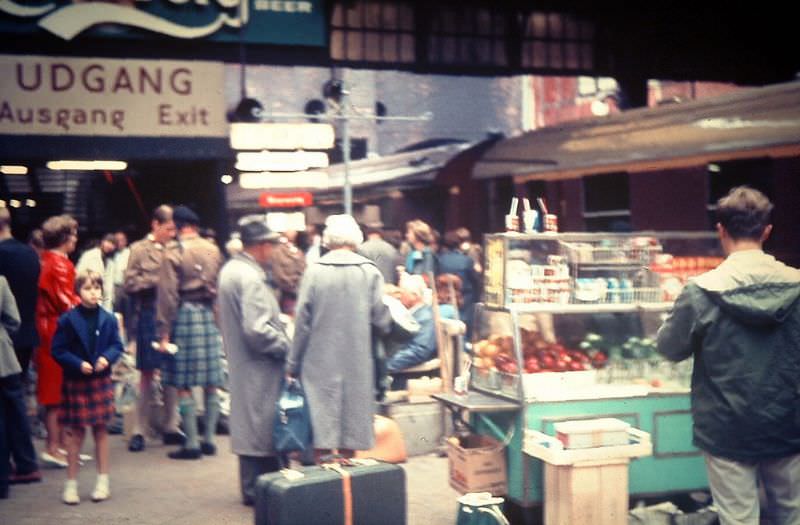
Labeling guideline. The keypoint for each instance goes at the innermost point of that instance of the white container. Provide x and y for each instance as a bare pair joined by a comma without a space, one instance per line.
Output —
590,433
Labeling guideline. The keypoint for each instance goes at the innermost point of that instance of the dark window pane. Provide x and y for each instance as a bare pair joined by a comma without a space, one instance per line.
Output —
606,192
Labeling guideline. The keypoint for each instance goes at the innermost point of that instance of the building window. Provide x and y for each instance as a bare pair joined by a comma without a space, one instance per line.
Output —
373,32
592,86
558,41
468,35
606,205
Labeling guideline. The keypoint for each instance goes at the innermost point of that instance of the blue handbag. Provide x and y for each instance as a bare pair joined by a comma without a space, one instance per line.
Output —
292,429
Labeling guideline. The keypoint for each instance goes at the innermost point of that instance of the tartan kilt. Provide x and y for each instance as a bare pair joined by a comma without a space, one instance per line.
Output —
86,401
147,358
198,361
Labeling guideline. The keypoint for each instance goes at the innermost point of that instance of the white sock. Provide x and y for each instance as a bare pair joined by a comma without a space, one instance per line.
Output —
102,479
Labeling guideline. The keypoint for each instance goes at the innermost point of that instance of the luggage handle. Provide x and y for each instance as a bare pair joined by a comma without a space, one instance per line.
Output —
495,513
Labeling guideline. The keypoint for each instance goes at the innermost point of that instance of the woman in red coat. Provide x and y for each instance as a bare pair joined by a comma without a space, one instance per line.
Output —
56,296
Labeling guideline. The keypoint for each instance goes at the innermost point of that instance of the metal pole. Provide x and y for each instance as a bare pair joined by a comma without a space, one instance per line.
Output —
348,190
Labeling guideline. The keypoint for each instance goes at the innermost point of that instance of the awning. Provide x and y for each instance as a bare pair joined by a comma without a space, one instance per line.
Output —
756,122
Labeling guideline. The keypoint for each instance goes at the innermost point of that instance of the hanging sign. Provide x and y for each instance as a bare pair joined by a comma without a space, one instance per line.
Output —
285,200
111,97
285,22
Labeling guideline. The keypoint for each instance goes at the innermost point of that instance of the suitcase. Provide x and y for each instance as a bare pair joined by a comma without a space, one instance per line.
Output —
317,495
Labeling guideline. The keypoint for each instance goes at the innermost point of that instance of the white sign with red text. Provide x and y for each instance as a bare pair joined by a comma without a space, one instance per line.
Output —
111,97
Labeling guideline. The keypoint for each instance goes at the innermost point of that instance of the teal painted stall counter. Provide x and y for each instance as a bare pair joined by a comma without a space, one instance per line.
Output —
675,465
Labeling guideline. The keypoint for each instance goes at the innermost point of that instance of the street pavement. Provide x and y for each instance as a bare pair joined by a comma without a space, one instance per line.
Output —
147,488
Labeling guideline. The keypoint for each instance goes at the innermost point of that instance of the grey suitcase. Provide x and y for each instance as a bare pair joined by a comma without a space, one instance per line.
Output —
316,495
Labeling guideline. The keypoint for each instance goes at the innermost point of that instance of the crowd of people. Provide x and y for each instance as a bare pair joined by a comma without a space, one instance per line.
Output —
272,307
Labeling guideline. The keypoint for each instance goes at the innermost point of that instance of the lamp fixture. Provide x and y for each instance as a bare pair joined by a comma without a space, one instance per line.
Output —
226,179
281,160
87,165
13,170
263,180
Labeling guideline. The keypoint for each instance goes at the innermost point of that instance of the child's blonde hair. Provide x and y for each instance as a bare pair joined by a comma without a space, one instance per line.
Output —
89,276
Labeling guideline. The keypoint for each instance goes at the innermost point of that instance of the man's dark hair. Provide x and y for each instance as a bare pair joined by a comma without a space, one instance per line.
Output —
452,240
744,213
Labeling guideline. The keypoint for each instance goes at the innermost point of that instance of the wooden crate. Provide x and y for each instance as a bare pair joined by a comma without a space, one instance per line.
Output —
590,492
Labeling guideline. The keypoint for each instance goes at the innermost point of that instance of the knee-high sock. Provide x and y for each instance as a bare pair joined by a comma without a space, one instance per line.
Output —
189,415
173,416
142,418
212,415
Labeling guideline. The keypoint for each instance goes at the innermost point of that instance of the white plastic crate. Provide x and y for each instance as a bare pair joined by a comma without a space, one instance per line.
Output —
588,433
551,450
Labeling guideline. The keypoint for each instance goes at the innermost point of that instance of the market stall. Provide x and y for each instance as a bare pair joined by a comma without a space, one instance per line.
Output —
567,332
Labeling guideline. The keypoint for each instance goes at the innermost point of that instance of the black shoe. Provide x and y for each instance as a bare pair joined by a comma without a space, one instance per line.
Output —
3,491
209,449
174,438
24,479
136,444
186,453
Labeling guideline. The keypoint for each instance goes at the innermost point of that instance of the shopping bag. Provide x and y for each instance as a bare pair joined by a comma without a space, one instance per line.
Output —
292,429
480,508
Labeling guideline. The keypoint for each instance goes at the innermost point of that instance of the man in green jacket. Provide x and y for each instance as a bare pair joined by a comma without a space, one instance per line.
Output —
741,323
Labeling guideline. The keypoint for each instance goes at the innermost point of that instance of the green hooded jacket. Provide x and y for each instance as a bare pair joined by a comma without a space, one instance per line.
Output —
741,323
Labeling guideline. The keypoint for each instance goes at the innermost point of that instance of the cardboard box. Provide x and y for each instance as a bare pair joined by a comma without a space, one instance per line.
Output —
477,464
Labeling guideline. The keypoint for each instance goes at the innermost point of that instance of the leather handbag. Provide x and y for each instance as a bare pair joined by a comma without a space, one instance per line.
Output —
292,429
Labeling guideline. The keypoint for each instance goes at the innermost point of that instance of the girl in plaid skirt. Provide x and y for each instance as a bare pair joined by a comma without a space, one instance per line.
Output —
86,344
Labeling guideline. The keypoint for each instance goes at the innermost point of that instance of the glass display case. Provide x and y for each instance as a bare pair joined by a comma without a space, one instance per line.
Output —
575,315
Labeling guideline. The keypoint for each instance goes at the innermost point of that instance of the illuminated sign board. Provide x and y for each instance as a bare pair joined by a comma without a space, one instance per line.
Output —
284,22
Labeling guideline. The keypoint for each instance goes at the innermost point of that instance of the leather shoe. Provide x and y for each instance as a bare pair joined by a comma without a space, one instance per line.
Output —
209,449
23,479
174,438
185,453
136,444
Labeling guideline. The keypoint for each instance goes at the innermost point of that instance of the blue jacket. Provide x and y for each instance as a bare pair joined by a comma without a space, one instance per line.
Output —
421,347
71,342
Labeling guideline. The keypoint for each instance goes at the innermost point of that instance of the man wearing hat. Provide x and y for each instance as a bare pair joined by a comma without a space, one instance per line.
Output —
187,289
256,345
383,254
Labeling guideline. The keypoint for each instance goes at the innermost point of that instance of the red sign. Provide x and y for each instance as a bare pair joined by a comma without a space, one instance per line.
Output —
285,200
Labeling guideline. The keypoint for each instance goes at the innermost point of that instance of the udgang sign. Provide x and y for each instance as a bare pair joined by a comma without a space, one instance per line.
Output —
66,96
285,22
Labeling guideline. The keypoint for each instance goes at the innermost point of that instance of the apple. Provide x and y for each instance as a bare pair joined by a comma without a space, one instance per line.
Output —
532,365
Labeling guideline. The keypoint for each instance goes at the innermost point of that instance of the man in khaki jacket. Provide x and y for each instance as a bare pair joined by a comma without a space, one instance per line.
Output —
141,277
187,289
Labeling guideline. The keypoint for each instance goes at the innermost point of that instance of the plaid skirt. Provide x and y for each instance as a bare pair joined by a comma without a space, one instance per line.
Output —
198,361
147,358
86,401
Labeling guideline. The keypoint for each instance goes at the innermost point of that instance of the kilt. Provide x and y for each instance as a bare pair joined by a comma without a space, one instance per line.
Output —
86,401
198,361
146,357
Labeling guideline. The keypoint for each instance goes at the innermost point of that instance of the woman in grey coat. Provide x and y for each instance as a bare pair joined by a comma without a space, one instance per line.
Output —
339,306
256,344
